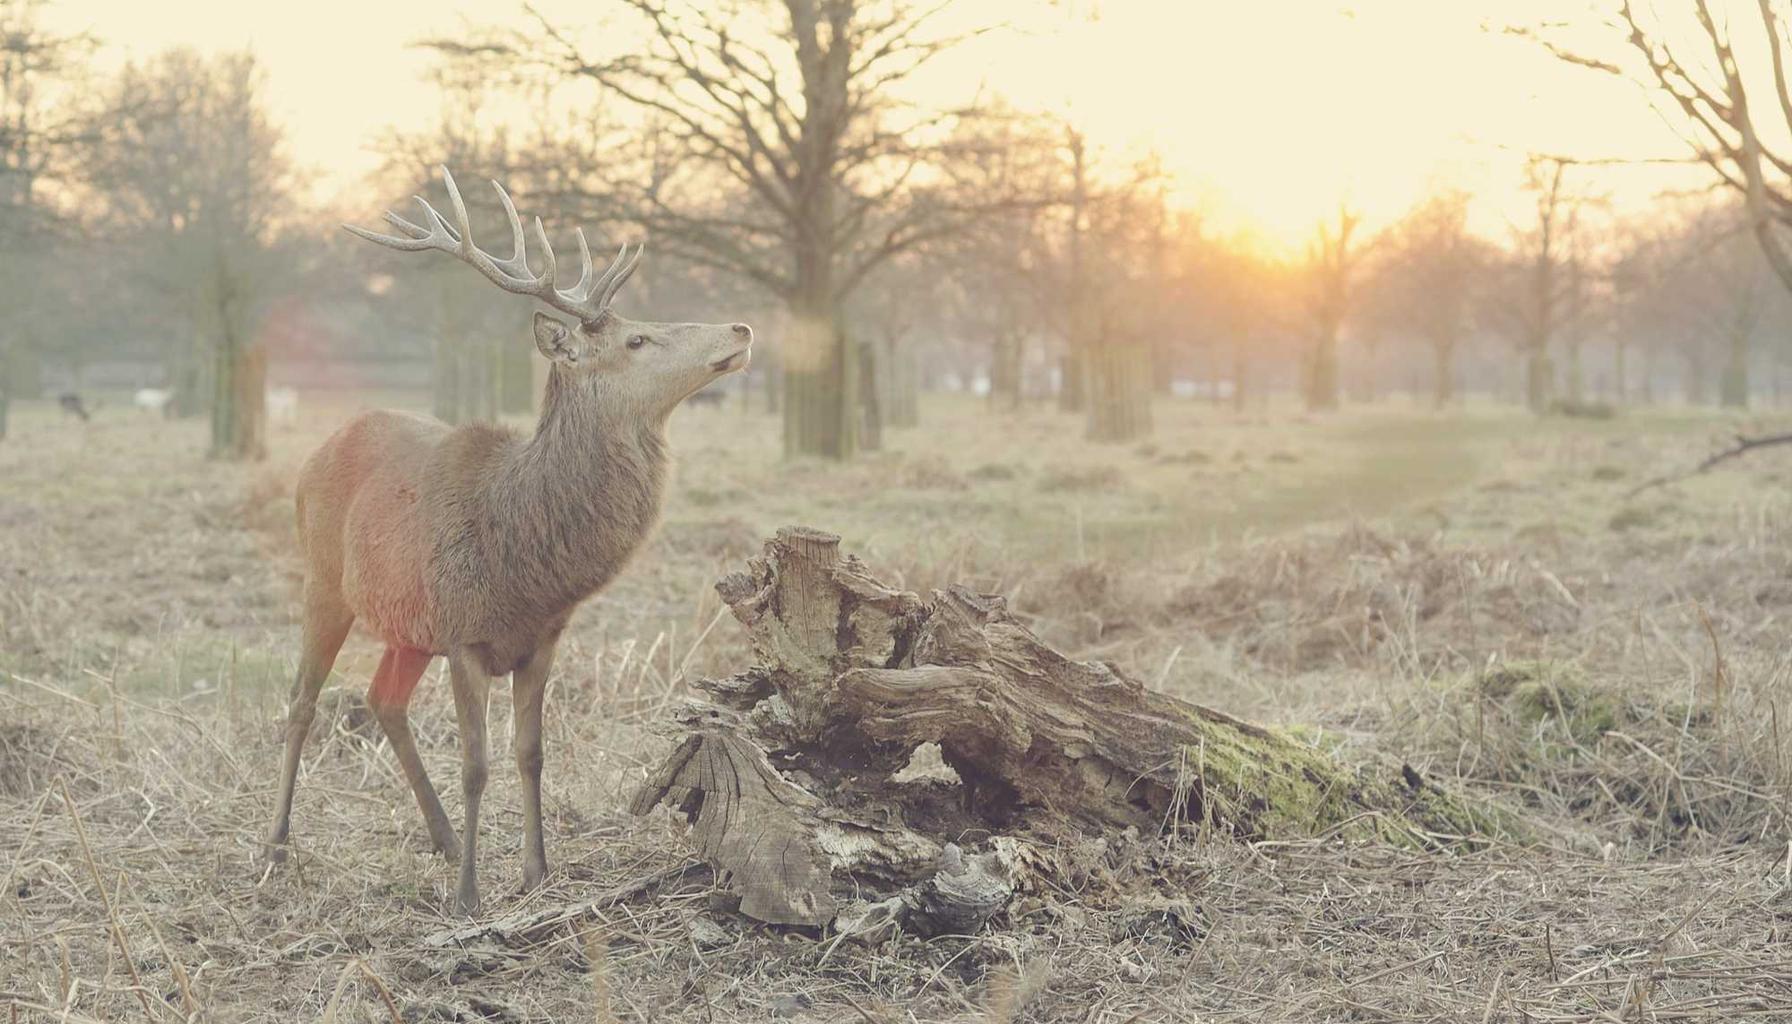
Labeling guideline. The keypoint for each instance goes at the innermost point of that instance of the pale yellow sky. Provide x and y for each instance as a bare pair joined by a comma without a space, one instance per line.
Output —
1268,112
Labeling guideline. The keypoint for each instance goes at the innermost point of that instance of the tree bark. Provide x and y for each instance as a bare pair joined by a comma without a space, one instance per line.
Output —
1733,385
788,779
1539,380
819,388
872,373
239,393
1005,372
1119,399
1575,383
898,378
1443,381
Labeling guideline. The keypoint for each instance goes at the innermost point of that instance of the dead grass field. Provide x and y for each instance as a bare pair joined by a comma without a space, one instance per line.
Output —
1471,592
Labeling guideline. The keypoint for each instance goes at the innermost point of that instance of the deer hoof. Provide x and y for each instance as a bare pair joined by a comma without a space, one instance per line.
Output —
467,904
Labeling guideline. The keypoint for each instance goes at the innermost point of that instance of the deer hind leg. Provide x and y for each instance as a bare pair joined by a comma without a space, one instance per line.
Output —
390,698
528,691
471,690
327,622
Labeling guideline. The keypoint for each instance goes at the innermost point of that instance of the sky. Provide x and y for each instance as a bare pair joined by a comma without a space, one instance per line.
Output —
1268,114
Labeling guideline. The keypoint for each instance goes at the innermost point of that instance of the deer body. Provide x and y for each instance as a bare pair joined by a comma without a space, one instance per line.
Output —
476,543
478,538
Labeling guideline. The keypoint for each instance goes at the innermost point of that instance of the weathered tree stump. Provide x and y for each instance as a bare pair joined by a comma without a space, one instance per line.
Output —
786,774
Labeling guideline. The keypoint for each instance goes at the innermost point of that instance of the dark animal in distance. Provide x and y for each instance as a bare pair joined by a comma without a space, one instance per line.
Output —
71,403
709,396
476,542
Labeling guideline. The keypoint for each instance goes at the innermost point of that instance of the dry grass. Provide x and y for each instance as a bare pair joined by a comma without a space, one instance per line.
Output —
1491,622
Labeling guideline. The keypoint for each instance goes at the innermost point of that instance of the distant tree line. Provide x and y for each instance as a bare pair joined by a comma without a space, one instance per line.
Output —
770,157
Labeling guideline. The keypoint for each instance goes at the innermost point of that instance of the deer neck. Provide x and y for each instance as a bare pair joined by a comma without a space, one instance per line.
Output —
587,486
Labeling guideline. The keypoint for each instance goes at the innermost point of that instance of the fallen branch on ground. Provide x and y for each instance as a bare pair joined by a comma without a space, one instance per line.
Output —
1742,446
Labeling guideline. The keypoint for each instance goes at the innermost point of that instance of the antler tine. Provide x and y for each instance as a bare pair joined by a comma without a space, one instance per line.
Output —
582,290
551,267
609,274
439,225
467,247
628,271
437,236
518,263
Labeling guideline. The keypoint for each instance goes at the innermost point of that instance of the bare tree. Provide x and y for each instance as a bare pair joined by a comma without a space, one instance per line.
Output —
1330,265
1535,304
1704,98
41,128
1429,270
194,169
1721,302
794,167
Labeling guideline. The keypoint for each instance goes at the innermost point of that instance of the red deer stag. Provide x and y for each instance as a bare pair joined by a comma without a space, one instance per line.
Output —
476,542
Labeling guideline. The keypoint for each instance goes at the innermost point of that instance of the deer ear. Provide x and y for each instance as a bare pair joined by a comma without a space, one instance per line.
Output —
554,339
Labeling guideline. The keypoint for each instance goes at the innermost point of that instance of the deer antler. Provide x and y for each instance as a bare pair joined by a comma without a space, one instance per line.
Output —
585,300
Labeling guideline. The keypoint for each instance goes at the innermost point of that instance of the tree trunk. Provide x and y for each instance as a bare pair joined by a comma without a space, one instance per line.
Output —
467,380
1005,372
1539,380
1119,399
1443,381
1695,384
1733,386
1576,384
1322,372
900,394
239,398
871,373
187,378
1620,372
786,780
820,385
1073,374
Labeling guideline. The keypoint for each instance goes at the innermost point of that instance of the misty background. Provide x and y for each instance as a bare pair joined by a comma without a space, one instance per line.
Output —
891,224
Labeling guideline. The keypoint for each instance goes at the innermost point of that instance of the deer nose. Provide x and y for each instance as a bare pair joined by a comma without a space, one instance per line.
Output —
743,330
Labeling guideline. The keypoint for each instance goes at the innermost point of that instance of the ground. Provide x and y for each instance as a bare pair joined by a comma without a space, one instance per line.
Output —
1473,593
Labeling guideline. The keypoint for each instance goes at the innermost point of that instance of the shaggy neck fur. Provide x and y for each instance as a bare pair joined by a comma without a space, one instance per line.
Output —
585,490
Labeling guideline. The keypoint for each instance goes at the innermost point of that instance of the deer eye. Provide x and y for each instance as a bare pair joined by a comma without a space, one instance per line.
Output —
636,341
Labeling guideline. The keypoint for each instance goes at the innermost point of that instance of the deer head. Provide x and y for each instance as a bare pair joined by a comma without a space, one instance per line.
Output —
640,366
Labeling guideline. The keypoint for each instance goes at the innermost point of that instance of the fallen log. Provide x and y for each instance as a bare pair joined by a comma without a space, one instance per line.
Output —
789,773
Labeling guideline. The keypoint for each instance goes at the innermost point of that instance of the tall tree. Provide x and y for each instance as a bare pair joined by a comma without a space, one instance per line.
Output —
1428,274
1703,93
1541,279
1330,267
795,166
195,169
41,130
